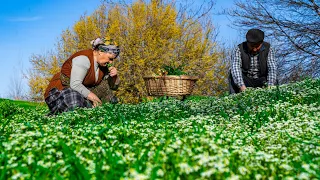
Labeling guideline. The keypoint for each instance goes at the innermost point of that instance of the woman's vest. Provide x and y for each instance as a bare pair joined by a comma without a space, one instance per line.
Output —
88,81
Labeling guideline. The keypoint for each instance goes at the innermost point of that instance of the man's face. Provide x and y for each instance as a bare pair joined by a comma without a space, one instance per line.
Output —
254,48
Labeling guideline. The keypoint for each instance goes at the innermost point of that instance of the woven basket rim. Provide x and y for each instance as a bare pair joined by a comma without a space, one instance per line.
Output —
183,77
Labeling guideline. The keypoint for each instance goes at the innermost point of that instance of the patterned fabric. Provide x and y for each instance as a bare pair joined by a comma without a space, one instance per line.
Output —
237,63
103,91
272,68
249,82
65,100
105,45
68,99
65,80
253,71
104,41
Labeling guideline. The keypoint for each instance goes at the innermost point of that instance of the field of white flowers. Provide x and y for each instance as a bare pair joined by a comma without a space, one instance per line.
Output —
260,134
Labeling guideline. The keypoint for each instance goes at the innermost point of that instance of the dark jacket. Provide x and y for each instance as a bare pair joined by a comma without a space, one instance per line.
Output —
262,58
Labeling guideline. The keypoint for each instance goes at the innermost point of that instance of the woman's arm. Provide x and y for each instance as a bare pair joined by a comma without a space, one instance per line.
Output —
80,67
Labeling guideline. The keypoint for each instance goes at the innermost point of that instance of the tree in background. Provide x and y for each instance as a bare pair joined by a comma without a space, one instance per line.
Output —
155,34
150,34
46,65
16,90
294,27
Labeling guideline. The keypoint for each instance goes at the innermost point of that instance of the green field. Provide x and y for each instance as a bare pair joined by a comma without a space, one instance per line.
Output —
22,104
260,134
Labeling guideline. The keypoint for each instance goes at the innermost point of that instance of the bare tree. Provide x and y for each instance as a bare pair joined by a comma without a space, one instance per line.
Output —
16,90
293,25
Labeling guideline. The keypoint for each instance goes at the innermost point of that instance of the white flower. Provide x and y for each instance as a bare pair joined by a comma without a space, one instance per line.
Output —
234,177
30,159
59,154
105,167
289,178
243,170
208,173
203,159
62,170
160,173
169,150
303,176
60,161
258,176
150,153
306,167
135,175
286,167
17,176
185,168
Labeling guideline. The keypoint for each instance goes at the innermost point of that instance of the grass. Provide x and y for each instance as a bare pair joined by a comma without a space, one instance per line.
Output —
259,134
25,104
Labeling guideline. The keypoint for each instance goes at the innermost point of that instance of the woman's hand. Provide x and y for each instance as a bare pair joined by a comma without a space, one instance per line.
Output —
113,71
94,99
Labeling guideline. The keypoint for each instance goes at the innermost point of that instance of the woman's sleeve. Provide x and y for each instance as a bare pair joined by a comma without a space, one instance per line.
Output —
80,67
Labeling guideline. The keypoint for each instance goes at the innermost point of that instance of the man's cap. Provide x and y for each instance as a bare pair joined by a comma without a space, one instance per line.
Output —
255,36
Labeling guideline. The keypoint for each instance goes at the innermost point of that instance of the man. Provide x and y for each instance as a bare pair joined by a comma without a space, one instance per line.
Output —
253,63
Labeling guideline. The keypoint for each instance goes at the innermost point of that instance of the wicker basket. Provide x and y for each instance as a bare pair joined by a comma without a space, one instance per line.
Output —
170,85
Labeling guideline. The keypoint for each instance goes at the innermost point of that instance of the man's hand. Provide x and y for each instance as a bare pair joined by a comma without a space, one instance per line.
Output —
271,86
243,88
94,99
113,71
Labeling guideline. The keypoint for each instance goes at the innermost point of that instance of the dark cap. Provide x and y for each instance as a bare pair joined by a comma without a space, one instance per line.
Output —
255,36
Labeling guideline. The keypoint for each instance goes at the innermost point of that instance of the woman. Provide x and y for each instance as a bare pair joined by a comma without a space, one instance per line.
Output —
86,79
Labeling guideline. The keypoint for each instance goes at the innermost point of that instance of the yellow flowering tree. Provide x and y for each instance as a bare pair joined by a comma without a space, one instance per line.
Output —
155,34
150,35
